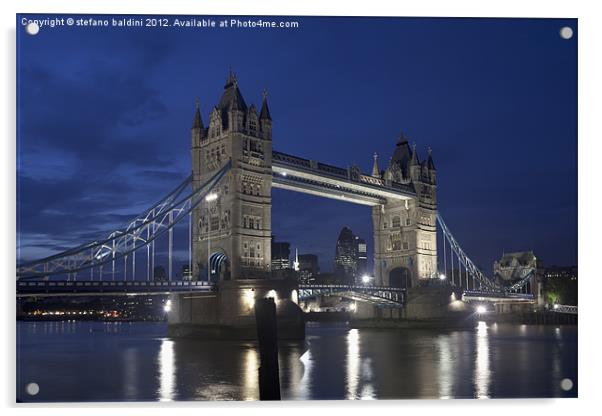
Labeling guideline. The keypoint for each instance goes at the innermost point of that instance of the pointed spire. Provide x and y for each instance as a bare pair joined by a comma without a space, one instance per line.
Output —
197,122
265,111
430,163
402,138
231,80
235,103
296,262
414,160
375,170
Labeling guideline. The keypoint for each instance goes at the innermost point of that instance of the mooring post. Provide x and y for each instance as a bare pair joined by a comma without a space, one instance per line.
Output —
269,381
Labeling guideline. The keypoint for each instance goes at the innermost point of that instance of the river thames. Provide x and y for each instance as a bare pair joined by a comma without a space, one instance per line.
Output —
113,361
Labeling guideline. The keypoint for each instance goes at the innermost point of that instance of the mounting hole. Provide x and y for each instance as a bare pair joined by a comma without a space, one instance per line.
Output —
566,384
32,28
566,32
32,389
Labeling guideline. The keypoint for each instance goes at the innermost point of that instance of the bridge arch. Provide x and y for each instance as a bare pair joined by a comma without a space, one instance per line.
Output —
219,267
400,277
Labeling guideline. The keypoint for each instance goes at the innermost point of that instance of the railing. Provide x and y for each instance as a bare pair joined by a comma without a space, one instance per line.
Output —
99,287
337,172
564,309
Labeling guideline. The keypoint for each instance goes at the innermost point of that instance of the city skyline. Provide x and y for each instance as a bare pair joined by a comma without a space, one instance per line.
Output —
503,135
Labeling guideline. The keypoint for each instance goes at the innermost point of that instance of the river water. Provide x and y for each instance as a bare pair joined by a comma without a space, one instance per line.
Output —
107,361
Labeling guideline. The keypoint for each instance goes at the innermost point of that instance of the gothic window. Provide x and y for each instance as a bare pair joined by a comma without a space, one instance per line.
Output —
252,125
408,221
396,222
252,251
396,241
251,223
214,222
244,221
406,245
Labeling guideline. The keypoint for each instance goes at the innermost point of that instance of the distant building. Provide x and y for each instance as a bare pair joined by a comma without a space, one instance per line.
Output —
159,274
351,260
560,285
281,253
309,268
558,272
513,268
186,272
362,259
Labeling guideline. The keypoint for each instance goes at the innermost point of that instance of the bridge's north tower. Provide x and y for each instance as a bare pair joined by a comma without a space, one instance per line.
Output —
236,226
405,233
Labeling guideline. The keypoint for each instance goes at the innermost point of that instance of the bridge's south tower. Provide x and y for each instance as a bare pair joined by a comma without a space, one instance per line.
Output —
236,225
405,238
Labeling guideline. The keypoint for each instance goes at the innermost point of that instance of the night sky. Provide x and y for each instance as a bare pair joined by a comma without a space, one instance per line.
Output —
104,120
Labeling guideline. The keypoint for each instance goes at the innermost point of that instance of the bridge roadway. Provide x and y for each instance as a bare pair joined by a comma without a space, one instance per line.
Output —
482,296
320,179
47,288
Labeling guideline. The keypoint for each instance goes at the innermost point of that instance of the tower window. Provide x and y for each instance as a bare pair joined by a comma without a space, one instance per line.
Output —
396,222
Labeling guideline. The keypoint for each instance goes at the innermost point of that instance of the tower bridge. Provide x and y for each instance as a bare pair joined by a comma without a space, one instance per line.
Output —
228,210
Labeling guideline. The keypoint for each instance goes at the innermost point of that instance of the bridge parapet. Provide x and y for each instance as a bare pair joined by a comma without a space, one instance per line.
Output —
339,177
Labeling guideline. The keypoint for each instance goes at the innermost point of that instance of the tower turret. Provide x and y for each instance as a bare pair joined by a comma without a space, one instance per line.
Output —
265,119
375,170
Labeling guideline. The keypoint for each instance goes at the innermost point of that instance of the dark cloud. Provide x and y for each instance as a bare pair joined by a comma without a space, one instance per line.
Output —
104,121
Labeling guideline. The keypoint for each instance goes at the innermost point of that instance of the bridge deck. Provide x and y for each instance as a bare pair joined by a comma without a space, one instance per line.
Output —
101,288
315,178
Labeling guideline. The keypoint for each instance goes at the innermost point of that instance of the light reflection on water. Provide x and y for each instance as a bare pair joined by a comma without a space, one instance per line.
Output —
93,361
167,371
482,373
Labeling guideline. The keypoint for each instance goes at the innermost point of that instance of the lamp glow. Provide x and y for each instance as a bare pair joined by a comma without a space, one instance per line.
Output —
442,276
167,306
272,294
211,197
365,279
249,298
481,309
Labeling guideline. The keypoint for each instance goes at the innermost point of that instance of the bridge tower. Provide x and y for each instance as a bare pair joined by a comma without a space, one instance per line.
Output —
405,233
236,225
231,230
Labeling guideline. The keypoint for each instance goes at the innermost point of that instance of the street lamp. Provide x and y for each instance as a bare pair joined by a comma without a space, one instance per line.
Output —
442,276
209,198
365,279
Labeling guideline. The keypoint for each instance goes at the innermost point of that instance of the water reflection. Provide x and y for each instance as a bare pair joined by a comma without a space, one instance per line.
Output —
250,374
304,389
358,369
445,367
115,362
167,370
353,362
482,373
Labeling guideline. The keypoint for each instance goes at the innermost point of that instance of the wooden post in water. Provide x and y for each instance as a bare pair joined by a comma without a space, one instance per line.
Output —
269,381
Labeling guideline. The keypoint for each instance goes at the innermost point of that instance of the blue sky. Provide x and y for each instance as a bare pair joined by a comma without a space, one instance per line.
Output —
104,117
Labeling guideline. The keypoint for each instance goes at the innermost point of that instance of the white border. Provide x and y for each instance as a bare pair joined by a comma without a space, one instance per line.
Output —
590,136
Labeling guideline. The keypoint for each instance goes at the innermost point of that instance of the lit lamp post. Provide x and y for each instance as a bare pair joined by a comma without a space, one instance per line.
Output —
365,279
209,198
